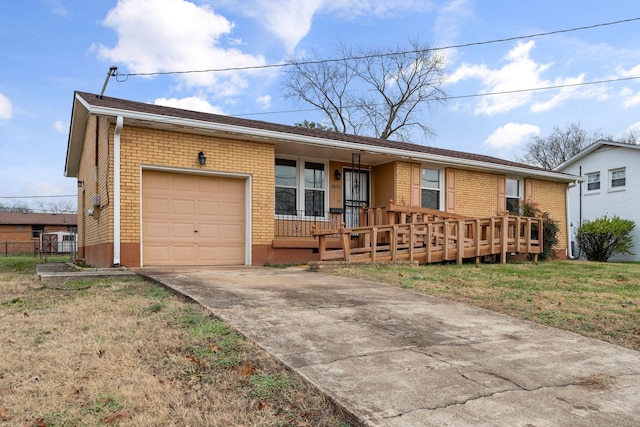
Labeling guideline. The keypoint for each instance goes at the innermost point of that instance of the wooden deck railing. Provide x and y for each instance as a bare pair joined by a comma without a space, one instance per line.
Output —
434,241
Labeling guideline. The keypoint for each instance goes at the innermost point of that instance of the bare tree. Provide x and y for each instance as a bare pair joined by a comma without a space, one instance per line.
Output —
374,91
562,144
631,137
20,207
57,207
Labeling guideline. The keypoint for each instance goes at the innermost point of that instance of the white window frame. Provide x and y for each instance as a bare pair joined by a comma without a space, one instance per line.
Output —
440,187
595,190
520,190
300,188
618,187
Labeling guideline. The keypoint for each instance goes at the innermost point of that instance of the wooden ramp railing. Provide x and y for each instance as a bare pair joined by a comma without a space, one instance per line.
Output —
433,241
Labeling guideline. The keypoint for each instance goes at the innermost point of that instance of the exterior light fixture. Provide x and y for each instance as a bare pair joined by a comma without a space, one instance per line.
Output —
202,159
337,174
80,184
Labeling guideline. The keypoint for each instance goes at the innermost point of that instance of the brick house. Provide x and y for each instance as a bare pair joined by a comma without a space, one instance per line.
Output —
21,232
165,186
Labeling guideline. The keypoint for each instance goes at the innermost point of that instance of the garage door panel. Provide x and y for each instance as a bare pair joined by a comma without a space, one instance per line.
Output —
183,207
155,205
208,231
208,208
184,231
156,231
176,205
182,183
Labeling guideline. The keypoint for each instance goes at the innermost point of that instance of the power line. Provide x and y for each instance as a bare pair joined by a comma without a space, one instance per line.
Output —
321,61
37,197
475,95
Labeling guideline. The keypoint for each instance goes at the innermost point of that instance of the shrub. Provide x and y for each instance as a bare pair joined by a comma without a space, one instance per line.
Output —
601,238
550,228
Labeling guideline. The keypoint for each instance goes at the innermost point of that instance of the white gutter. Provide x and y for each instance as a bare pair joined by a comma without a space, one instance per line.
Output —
324,142
569,251
116,190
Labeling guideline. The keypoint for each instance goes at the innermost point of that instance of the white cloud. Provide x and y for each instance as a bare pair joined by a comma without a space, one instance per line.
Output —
520,72
291,20
634,127
6,109
61,127
192,103
451,18
631,72
264,101
176,35
632,101
511,135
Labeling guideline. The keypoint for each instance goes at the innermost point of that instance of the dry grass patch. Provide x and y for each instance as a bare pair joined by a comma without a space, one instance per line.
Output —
128,353
600,300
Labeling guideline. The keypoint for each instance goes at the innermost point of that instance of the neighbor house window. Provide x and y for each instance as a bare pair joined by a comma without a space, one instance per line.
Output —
617,178
513,195
593,181
430,188
300,188
36,230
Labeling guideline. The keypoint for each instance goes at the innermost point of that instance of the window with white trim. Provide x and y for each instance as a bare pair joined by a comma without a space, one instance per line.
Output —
617,179
286,187
314,189
430,188
300,188
593,181
513,195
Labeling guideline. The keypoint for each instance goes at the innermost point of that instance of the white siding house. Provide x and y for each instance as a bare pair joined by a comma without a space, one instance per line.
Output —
611,172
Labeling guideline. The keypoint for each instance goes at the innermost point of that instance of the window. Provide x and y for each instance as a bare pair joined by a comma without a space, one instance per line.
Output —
593,181
430,188
300,192
286,189
617,178
36,230
314,189
513,195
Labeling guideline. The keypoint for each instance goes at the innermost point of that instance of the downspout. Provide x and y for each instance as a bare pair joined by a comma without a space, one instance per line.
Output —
569,250
116,190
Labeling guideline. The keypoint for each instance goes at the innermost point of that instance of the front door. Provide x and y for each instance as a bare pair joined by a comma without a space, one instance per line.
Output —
356,193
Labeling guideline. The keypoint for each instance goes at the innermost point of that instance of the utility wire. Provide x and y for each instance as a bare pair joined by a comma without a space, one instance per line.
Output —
476,95
36,197
322,61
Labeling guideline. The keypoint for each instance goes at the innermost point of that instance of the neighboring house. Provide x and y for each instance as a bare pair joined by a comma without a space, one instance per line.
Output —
28,232
611,171
165,186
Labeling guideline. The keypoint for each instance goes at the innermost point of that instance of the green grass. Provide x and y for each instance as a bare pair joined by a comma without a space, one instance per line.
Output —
264,386
600,300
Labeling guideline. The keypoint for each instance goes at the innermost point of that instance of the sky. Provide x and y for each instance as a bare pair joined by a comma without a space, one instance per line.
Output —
50,48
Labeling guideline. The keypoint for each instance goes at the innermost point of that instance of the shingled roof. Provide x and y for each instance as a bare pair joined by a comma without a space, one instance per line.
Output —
29,218
107,103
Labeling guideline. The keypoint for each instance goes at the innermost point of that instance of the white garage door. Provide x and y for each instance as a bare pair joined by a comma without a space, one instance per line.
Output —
192,219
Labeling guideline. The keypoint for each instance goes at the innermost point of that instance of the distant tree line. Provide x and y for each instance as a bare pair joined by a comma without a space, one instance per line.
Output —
57,207
563,143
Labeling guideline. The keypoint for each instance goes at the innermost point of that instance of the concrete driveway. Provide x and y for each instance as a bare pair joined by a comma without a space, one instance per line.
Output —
397,358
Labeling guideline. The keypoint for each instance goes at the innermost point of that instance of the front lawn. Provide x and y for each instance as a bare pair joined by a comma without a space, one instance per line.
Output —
599,300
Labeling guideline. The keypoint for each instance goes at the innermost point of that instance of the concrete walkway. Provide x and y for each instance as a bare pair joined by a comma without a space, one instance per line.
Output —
397,358
61,271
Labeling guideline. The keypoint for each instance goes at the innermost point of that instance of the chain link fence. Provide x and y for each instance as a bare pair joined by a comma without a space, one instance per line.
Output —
38,243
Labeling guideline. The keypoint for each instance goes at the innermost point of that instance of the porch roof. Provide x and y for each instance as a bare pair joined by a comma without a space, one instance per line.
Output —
288,139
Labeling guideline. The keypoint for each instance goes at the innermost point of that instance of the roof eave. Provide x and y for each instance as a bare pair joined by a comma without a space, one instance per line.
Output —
326,142
79,114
